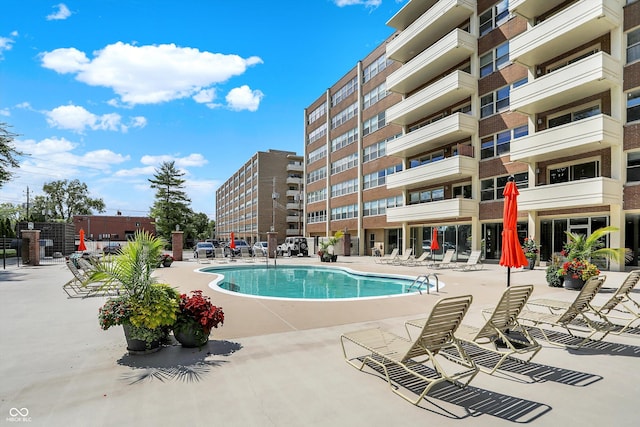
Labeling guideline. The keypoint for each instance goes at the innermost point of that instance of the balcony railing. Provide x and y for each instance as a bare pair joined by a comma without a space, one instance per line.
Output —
440,210
433,173
599,191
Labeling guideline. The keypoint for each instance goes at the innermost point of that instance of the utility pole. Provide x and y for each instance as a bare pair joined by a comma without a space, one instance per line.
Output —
27,203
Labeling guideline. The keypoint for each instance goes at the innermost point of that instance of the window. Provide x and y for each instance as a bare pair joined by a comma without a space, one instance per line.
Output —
499,144
633,45
344,163
317,133
317,196
317,113
379,207
492,188
375,95
494,60
316,175
428,158
344,115
426,196
574,172
633,106
498,101
346,187
633,167
318,154
463,191
317,216
376,67
379,178
494,17
373,124
573,58
344,212
345,139
574,116
344,91
375,151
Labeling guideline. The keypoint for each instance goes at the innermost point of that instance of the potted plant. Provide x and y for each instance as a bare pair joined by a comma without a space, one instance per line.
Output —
531,250
327,248
165,260
144,308
196,317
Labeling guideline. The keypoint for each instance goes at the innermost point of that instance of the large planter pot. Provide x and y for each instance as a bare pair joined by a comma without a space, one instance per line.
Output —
572,283
136,346
532,263
191,337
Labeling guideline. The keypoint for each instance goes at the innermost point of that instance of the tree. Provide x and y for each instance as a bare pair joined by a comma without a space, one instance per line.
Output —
8,153
171,206
64,199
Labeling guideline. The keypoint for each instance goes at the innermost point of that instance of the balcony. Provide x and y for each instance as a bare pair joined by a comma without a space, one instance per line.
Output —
532,8
447,91
294,218
434,173
581,136
295,167
294,206
574,194
294,180
293,232
440,210
431,26
569,28
454,48
589,76
293,193
447,130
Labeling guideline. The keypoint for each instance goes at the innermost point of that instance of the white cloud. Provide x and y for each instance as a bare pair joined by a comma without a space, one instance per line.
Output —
148,170
243,98
5,112
78,119
366,3
61,13
205,96
6,43
194,159
149,74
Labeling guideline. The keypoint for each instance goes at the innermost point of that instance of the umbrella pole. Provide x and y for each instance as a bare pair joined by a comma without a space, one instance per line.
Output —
508,276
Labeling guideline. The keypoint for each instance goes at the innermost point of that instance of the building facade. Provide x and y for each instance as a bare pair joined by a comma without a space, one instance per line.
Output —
467,94
265,194
102,228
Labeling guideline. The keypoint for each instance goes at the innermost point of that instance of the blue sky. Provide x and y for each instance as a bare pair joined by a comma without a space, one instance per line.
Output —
105,90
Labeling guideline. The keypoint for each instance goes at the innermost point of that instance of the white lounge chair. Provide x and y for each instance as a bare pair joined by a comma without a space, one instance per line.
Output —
447,261
402,259
387,259
473,263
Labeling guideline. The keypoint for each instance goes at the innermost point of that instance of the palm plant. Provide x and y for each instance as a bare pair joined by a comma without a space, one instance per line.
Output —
581,247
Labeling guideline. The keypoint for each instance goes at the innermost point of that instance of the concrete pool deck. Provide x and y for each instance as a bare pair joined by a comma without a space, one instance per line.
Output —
279,362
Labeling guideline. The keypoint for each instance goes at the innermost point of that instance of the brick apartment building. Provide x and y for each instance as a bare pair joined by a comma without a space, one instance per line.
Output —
422,134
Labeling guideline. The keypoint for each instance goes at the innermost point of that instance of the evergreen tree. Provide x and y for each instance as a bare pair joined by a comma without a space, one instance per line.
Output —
8,153
171,206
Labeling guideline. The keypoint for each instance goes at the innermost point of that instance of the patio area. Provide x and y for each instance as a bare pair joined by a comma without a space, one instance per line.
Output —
279,362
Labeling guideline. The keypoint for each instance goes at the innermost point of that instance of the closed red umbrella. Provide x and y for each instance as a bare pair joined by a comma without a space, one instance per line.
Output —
232,244
434,240
512,253
82,246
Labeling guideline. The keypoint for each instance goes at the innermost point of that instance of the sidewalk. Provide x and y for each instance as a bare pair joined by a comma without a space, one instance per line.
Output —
279,363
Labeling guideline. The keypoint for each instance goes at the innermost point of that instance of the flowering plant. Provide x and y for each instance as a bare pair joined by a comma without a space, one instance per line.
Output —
197,310
165,260
530,248
116,311
579,269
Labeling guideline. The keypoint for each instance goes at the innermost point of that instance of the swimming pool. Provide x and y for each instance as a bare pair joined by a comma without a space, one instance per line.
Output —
307,282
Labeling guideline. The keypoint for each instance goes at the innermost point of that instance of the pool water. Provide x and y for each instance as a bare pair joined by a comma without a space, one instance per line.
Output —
305,282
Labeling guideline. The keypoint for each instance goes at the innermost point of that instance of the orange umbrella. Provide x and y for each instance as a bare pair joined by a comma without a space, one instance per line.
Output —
434,240
82,246
512,253
232,244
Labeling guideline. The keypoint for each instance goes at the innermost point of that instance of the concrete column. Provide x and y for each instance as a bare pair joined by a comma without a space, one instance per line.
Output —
177,242
34,245
616,239
272,244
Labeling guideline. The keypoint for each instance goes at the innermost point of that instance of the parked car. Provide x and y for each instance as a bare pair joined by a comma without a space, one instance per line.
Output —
215,242
239,243
295,246
206,247
260,248
111,248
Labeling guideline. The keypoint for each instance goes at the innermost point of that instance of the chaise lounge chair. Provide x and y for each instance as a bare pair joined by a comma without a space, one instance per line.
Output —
413,261
404,258
389,351
577,311
473,263
620,306
387,259
76,287
501,334
445,263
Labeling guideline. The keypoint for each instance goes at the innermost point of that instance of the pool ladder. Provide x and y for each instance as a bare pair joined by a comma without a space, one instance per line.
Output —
423,279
